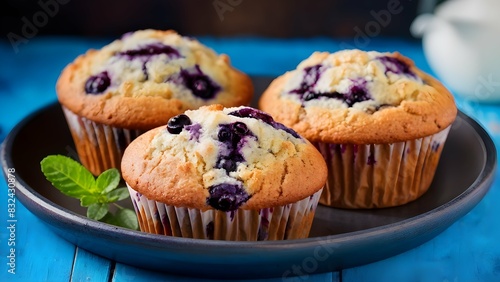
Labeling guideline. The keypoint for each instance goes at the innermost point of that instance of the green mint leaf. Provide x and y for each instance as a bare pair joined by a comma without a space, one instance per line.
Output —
97,211
74,180
68,176
86,201
117,195
108,180
109,218
126,218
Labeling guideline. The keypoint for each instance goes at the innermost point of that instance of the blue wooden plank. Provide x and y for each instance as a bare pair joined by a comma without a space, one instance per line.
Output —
40,255
467,251
89,267
124,273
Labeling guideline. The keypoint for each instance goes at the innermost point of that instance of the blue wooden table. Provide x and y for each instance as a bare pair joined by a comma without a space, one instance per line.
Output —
469,250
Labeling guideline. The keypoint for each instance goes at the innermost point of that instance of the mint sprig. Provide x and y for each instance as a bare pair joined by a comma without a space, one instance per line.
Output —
74,180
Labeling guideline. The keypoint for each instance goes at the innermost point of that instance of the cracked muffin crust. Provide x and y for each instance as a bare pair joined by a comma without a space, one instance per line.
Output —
224,159
138,82
359,97
142,79
379,122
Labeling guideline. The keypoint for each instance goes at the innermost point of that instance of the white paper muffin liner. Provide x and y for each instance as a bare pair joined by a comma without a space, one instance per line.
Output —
380,175
292,221
99,146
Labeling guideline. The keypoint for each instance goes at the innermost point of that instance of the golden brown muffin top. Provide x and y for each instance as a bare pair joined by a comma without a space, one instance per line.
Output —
142,79
223,158
359,97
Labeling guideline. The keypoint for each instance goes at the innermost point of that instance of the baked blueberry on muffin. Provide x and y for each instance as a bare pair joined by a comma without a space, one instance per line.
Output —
138,82
379,122
224,173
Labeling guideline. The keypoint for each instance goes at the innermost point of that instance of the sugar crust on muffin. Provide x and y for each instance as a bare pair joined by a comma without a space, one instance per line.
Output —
241,149
142,79
359,97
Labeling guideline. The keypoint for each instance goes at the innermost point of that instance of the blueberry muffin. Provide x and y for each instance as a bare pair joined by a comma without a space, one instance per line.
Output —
379,122
226,174
137,83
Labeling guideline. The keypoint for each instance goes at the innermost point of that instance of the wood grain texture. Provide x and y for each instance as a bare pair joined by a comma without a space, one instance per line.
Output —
40,255
90,267
467,251
125,273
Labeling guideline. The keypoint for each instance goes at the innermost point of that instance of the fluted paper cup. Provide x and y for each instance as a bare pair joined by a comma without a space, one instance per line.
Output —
380,175
292,221
99,146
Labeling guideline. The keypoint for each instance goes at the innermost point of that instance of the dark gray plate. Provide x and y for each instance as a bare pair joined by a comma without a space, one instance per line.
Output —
338,236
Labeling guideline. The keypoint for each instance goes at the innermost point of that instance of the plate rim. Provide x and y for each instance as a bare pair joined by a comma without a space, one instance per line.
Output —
475,192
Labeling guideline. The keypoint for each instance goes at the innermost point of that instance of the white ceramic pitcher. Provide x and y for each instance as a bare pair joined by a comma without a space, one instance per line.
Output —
461,41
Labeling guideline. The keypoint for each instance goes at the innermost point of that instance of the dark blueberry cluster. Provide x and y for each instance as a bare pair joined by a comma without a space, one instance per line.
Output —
396,66
149,50
227,197
357,92
229,162
259,115
199,83
233,137
98,83
311,77
177,123
232,134
145,53
247,112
